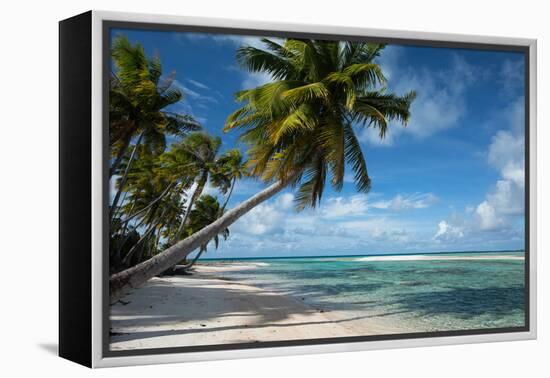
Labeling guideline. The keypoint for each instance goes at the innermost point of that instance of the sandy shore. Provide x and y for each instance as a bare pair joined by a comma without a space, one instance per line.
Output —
205,309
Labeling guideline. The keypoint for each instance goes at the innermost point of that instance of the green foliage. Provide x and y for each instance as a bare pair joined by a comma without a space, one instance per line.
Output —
156,203
151,184
207,210
138,98
300,127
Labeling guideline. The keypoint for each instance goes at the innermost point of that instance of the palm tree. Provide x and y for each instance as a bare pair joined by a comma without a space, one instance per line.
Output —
300,130
155,194
138,100
231,167
206,211
150,202
194,156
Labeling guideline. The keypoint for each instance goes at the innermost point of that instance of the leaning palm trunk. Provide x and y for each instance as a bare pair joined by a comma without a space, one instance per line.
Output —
120,155
124,178
146,208
228,195
190,265
121,283
196,194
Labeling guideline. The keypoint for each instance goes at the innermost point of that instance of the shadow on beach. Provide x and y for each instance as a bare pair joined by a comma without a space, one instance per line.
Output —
212,307
189,307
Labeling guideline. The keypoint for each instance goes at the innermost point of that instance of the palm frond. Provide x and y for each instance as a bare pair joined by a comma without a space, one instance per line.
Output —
332,139
365,75
378,108
344,83
354,155
305,93
311,190
257,60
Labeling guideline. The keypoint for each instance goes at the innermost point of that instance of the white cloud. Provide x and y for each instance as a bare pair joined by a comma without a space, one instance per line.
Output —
247,187
285,201
266,218
406,202
448,232
194,95
377,230
239,40
488,219
255,79
440,101
506,153
394,236
197,84
338,207
503,205
263,219
341,225
233,39
508,197
358,205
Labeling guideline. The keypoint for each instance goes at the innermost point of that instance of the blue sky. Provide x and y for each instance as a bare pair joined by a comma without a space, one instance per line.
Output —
452,180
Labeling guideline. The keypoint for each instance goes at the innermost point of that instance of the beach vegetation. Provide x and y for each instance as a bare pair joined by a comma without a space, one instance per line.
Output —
300,130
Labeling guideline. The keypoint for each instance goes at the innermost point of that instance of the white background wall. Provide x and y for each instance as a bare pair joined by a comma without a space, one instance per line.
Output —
28,185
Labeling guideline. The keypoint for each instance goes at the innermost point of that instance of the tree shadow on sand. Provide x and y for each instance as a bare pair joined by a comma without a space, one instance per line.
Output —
174,332
209,303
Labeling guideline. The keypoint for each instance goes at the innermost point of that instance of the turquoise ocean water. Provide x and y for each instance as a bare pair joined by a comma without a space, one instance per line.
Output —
419,293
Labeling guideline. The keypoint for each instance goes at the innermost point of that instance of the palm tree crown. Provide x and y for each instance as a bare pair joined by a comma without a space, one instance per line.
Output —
207,210
138,98
300,127
194,159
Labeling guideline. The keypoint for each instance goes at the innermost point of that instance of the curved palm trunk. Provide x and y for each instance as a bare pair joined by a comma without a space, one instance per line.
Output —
120,155
121,283
145,235
196,194
188,266
124,177
228,195
162,195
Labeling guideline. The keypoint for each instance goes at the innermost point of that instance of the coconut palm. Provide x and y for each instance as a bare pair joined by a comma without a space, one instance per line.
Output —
138,100
195,156
206,211
149,204
155,194
300,129
231,167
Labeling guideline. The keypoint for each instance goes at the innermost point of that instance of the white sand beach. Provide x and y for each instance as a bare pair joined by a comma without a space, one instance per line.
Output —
205,309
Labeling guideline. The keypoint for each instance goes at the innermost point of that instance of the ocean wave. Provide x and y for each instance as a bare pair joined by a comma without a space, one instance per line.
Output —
436,257
260,264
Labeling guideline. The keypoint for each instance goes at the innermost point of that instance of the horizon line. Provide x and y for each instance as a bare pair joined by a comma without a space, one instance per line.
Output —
358,255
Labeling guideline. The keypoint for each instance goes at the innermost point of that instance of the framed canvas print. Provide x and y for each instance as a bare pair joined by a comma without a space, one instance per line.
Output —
235,189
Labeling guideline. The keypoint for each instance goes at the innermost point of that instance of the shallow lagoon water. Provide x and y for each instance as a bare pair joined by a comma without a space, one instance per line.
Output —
420,292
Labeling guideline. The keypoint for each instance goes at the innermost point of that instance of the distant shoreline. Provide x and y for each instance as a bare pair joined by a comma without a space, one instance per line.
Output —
352,256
